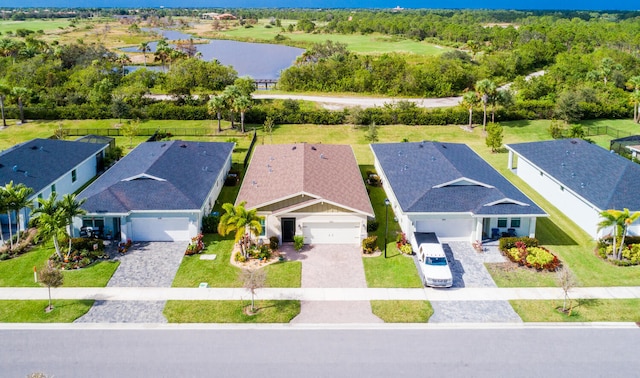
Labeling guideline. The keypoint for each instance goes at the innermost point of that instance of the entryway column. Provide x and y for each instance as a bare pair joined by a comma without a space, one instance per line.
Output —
532,227
510,161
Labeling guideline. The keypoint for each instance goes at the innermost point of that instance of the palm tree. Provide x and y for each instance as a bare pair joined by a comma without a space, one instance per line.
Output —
50,220
3,207
20,94
215,106
620,220
503,98
8,192
634,99
71,208
162,52
626,218
231,93
144,47
122,60
241,105
469,100
20,201
4,91
485,89
241,221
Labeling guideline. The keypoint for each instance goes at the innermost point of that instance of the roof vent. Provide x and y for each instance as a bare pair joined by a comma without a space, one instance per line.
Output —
204,152
574,142
183,146
293,148
26,174
562,164
433,158
322,156
15,168
205,168
163,144
582,185
567,152
421,145
443,146
34,147
314,148
41,148
399,153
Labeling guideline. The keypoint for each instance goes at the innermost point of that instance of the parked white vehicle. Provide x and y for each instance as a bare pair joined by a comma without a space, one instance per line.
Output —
433,261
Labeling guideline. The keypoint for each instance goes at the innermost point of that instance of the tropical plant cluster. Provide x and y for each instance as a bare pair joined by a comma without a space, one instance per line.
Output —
535,257
403,244
370,244
196,245
616,245
84,252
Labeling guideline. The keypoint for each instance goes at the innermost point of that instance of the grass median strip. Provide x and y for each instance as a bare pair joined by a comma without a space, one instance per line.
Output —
583,310
32,311
230,311
402,311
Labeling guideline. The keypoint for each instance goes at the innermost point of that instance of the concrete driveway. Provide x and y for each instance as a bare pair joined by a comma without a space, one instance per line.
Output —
332,266
146,264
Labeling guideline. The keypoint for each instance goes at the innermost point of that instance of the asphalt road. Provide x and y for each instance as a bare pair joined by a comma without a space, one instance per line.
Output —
294,352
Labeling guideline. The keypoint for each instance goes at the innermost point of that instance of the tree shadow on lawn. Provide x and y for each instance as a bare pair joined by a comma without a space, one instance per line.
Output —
551,234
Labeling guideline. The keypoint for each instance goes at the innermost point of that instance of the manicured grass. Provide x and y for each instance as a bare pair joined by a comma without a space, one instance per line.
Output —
511,275
18,271
394,271
584,310
64,311
402,311
230,311
220,273
33,25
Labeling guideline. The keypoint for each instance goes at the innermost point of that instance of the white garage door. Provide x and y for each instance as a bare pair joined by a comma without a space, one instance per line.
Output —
331,233
160,229
448,228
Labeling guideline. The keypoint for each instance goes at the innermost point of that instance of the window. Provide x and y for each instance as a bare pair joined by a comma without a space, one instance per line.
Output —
502,222
53,188
263,225
74,176
515,223
38,202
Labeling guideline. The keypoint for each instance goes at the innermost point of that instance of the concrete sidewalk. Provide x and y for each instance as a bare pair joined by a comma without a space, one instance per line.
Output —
317,294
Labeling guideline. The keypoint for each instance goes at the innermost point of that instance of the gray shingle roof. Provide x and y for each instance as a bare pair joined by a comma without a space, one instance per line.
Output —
606,180
448,177
39,162
173,175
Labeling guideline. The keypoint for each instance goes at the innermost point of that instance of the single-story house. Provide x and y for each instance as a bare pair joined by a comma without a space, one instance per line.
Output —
158,192
447,189
579,178
314,190
50,165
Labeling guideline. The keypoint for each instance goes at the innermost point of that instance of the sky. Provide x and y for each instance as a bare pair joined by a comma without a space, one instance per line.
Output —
483,4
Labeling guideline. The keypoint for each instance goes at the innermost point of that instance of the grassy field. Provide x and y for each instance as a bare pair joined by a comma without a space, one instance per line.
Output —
220,273
230,311
33,25
64,311
584,310
402,311
18,271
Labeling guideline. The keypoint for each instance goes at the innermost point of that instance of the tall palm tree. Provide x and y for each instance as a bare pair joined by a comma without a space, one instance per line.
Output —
71,207
162,52
19,202
241,105
634,99
20,94
231,93
9,192
620,220
144,47
3,207
50,220
215,106
485,89
627,218
469,100
4,92
241,221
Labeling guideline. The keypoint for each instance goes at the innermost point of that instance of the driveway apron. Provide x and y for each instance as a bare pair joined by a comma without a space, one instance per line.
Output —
468,270
146,264
332,266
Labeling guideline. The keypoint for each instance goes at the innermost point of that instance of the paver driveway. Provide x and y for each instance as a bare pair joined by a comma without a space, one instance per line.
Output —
332,266
149,264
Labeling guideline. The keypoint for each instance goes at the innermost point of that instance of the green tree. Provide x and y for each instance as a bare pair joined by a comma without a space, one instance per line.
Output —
3,208
144,47
372,133
129,130
70,208
4,92
568,106
469,101
20,202
268,127
634,97
619,220
485,89
494,136
230,94
20,94
215,106
50,221
50,277
241,105
237,219
119,107
246,85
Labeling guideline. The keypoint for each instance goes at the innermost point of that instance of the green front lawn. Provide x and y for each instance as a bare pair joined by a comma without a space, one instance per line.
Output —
230,311
402,311
584,310
18,271
64,311
220,272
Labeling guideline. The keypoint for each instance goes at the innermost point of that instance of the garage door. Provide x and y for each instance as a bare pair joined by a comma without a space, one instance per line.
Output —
448,228
331,233
160,229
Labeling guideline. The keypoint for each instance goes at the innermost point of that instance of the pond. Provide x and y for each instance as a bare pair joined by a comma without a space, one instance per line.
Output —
258,60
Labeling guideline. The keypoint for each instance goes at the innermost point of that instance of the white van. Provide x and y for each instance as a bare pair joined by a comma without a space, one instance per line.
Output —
433,261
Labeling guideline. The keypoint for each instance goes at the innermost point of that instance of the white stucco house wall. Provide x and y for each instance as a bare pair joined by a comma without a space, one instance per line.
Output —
49,165
580,179
447,189
160,191
315,191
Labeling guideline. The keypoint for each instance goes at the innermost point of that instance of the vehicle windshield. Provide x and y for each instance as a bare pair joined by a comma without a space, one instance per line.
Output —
436,261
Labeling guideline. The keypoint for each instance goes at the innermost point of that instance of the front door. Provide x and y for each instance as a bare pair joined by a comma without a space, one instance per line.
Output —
288,229
116,228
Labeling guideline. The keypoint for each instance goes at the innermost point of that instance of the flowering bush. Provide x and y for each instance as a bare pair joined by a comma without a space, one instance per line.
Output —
533,257
196,245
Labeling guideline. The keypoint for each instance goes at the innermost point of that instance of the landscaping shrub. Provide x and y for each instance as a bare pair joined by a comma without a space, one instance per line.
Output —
372,225
210,224
630,253
195,246
273,243
533,257
510,242
298,242
369,244
4,256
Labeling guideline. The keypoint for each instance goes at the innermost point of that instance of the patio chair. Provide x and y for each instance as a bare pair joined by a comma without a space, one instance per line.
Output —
495,233
511,232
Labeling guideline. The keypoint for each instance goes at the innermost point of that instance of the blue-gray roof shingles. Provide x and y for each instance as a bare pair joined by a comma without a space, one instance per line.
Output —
39,162
174,175
605,179
417,172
